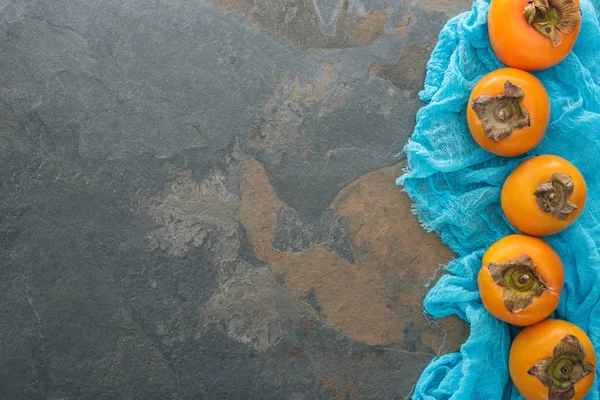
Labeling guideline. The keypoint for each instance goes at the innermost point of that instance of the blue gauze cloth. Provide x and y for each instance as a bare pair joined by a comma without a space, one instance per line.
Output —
455,186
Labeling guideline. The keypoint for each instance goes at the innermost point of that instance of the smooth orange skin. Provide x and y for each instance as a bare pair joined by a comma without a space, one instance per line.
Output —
549,267
519,203
518,44
536,102
537,342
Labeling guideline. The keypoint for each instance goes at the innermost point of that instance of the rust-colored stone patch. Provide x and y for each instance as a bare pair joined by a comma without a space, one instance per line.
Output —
310,327
378,299
295,353
401,30
299,22
368,28
352,384
346,390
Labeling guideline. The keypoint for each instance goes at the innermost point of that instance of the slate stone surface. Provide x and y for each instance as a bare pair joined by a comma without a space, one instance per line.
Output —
197,199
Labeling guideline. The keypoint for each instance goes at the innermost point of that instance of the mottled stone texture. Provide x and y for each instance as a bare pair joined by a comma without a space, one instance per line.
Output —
197,199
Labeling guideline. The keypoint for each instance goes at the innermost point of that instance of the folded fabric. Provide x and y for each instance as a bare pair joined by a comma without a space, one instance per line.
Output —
456,185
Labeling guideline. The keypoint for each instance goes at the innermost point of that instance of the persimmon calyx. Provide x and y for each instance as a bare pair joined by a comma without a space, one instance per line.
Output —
566,367
501,115
552,196
520,280
553,18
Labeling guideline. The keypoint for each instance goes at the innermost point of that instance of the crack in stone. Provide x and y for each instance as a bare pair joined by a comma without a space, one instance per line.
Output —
33,308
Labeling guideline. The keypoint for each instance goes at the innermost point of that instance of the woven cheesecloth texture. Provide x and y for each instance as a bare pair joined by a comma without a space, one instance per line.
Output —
455,186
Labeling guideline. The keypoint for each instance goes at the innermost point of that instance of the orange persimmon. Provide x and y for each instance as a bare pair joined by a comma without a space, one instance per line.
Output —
521,280
508,112
533,34
544,195
552,359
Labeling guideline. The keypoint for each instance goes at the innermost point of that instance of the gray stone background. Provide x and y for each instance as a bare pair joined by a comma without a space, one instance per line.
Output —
197,199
